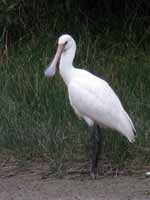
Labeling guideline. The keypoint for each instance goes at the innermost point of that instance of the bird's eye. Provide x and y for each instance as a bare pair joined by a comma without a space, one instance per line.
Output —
66,42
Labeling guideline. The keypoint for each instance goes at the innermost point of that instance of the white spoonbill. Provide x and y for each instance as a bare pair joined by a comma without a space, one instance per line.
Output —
90,97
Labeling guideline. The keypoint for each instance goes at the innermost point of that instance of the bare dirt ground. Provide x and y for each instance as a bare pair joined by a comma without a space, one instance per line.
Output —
32,182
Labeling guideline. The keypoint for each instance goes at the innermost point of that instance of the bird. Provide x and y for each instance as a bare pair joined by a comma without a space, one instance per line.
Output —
91,98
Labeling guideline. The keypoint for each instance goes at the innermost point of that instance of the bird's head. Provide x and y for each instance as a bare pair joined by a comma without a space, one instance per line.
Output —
64,43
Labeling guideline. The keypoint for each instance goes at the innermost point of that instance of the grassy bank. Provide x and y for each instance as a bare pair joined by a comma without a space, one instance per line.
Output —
35,115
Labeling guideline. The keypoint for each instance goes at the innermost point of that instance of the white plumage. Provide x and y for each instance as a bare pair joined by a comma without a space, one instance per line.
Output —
90,96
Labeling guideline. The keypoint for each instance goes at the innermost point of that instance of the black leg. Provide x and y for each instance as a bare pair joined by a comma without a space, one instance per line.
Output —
96,149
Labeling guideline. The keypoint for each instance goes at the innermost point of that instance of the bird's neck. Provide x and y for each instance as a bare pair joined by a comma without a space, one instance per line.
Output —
66,64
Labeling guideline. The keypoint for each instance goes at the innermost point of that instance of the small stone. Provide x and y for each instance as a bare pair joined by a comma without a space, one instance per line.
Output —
147,174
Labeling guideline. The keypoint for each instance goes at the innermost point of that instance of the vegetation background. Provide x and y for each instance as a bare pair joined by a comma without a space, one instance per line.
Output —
113,40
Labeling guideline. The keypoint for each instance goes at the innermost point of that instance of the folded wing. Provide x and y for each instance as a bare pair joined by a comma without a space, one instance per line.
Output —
93,98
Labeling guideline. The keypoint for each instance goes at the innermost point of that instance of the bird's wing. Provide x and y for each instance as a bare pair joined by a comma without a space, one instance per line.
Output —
97,87
95,99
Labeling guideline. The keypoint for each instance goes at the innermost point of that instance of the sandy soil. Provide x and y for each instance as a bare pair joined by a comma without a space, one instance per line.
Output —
32,182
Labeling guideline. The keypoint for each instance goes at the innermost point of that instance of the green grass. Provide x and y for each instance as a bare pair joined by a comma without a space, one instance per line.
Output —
35,115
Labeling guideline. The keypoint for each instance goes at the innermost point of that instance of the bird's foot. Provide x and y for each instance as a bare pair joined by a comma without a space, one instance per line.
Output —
93,175
93,172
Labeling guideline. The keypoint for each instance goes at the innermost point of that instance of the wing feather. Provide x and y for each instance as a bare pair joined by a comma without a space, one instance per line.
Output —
95,99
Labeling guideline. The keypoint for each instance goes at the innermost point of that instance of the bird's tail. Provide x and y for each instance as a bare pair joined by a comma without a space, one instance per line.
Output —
130,129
